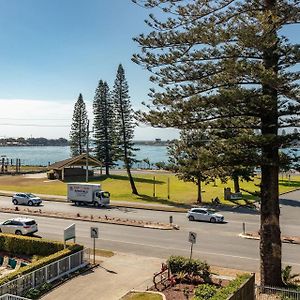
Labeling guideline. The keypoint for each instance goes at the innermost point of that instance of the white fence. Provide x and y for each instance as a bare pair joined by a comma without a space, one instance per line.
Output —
276,293
48,273
12,297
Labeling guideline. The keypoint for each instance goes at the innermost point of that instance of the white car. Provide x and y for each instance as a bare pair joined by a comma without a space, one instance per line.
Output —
20,226
204,214
26,198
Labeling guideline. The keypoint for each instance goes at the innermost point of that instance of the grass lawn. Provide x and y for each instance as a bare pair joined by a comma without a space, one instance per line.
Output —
119,187
142,296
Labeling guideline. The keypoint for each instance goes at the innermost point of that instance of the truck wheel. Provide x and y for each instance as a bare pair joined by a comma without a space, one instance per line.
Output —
96,204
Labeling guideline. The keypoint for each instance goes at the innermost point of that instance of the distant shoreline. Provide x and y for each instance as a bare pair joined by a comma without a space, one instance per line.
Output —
143,143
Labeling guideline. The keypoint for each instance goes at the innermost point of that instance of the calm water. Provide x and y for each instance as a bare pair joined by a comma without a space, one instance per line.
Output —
42,155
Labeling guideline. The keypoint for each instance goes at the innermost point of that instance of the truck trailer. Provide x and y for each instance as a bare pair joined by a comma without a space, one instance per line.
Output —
87,194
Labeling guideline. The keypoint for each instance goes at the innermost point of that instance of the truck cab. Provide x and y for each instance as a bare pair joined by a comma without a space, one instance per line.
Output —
102,198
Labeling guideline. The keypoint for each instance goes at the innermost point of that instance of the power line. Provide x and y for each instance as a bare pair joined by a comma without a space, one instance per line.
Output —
32,125
35,119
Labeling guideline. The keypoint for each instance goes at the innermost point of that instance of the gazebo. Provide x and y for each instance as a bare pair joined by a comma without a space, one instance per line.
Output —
73,166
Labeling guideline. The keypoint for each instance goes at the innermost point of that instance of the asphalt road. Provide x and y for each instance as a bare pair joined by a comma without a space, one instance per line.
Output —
219,244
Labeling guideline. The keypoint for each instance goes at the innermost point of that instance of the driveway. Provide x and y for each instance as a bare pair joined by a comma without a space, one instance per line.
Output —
111,280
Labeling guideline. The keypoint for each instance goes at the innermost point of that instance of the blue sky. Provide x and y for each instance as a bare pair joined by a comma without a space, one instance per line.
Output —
52,50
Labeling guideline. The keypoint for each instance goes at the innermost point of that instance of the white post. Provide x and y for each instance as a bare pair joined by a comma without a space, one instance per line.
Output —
46,273
69,263
32,279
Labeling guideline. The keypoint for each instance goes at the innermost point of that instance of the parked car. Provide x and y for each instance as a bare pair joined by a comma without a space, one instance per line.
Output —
26,198
20,226
204,214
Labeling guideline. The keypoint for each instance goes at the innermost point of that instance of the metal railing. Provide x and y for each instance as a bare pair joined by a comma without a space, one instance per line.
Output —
48,273
12,297
276,293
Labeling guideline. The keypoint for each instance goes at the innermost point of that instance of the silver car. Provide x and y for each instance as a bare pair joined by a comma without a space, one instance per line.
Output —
26,198
204,214
20,226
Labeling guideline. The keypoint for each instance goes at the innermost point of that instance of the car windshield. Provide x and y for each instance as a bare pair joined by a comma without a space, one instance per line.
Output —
31,195
210,212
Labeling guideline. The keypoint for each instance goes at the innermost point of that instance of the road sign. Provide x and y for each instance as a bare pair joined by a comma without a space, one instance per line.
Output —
192,237
94,232
69,233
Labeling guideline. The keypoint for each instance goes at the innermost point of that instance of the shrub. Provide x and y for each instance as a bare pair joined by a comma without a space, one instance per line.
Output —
205,291
231,288
195,267
36,293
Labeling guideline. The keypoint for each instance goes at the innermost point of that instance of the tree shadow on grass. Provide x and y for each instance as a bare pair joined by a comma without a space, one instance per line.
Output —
294,184
155,200
116,177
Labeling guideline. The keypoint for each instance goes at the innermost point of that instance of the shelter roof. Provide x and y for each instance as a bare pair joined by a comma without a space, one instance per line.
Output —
79,160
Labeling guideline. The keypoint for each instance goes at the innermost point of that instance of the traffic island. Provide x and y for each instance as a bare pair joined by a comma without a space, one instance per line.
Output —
90,218
284,239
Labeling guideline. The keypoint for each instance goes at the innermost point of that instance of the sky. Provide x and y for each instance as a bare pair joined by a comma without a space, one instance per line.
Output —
53,50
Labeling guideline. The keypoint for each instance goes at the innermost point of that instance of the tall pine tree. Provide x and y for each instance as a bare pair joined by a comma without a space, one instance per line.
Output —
124,123
104,125
225,64
78,132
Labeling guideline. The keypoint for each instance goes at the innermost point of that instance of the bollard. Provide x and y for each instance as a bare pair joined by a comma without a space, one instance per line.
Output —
171,220
244,228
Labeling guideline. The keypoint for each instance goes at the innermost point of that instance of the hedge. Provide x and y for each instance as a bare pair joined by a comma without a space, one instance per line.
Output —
231,288
40,249
27,245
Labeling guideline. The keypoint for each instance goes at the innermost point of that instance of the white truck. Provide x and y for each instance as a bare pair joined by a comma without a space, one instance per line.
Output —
87,193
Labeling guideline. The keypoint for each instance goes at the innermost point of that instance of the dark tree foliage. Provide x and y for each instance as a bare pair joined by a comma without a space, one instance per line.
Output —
192,159
225,64
104,121
78,132
124,124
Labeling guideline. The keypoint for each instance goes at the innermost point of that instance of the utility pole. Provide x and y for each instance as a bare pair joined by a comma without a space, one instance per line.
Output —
87,152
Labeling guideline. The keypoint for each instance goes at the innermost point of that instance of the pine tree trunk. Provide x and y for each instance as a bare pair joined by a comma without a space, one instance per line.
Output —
270,236
236,184
132,184
107,169
199,198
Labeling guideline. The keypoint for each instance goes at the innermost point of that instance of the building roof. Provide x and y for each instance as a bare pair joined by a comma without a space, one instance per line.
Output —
79,160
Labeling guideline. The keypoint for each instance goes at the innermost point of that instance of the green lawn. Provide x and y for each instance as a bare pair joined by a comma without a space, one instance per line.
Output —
142,296
119,187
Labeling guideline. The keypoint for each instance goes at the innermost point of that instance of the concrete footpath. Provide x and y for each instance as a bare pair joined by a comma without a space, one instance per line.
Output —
114,277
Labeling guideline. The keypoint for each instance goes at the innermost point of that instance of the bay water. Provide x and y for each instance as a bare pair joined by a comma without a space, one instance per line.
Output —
41,156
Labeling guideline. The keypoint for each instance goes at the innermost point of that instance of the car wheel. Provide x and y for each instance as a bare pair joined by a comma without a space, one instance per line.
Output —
213,220
15,202
191,218
30,203
18,232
